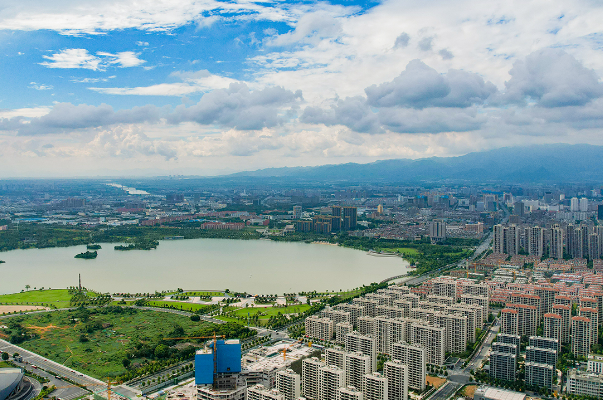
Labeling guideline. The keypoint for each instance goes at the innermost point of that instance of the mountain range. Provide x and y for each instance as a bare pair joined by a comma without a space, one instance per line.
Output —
530,164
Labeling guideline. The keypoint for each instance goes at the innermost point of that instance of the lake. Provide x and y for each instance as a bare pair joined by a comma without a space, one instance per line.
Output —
254,266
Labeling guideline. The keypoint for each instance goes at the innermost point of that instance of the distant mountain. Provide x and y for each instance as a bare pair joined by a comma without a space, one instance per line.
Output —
530,164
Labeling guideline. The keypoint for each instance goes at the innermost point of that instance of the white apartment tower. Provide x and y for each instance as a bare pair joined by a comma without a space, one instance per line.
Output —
415,357
288,383
311,378
375,387
331,378
397,379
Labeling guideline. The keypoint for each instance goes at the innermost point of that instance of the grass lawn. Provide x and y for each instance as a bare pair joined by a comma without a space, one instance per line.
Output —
197,294
57,297
5,365
270,311
178,305
115,335
404,250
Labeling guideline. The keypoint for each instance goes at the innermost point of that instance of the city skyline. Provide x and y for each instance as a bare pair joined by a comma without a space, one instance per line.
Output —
211,87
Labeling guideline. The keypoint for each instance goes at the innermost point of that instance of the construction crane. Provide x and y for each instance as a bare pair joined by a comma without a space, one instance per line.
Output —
215,342
284,350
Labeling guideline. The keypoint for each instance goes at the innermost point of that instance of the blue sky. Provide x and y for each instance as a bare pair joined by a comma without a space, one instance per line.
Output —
209,87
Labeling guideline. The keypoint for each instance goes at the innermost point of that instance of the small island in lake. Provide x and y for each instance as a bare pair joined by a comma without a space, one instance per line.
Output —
2,262
146,245
93,247
89,255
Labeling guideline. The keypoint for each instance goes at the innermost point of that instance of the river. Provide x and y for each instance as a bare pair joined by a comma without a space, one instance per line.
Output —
254,266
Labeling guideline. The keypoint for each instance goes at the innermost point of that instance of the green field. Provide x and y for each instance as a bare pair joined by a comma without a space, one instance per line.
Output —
178,305
197,294
97,341
55,297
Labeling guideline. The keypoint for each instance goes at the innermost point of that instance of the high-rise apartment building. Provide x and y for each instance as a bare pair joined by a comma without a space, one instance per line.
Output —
375,387
503,365
342,329
541,356
415,357
539,375
581,336
364,344
349,393
510,339
259,392
347,217
535,241
593,315
565,312
319,328
311,378
397,379
288,383
433,339
527,318
437,230
331,378
509,321
553,325
357,365
335,356
556,249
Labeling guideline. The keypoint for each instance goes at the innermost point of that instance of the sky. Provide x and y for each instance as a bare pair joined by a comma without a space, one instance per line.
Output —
185,87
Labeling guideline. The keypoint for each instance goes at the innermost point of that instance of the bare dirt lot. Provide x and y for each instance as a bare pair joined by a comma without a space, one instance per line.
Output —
435,381
19,308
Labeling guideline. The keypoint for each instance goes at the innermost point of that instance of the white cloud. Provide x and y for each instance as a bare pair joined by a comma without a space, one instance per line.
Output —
34,85
73,58
80,58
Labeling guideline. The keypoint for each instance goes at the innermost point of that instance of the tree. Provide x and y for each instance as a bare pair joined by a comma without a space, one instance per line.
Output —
5,356
125,362
27,287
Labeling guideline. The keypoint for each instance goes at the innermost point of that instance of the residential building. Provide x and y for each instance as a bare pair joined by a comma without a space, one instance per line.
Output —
365,344
349,393
331,378
415,357
288,383
396,373
319,328
585,383
311,378
539,375
509,321
581,336
503,365
375,387
357,365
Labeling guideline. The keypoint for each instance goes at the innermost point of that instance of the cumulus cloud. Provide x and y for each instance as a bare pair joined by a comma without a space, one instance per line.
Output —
551,78
239,107
66,117
420,86
235,107
72,58
353,112
127,142
402,41
34,85
310,28
80,58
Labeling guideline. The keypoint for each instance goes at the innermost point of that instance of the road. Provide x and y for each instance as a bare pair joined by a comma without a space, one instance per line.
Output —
446,390
482,353
48,369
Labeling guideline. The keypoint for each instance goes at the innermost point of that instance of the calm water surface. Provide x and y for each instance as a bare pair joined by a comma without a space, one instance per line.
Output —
255,266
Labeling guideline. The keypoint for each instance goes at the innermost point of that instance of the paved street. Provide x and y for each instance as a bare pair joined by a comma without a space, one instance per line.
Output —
66,390
446,391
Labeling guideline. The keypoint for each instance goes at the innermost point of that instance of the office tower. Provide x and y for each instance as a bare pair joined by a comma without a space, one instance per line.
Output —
553,326
415,357
519,208
431,338
600,211
510,339
527,318
331,378
574,204
437,230
503,365
319,328
541,356
364,344
375,387
583,204
311,378
581,336
259,392
357,365
288,383
593,315
397,379
565,312
535,241
335,356
509,321
556,250
349,393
